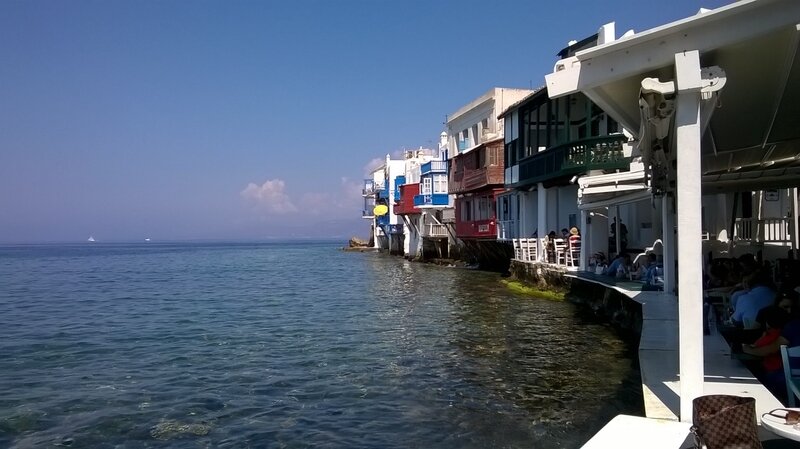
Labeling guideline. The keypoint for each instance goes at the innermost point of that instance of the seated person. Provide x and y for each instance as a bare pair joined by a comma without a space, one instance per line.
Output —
620,263
789,336
772,320
717,276
650,276
759,296
550,246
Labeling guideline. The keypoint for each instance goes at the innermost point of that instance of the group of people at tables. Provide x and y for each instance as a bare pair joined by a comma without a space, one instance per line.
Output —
571,238
621,267
758,318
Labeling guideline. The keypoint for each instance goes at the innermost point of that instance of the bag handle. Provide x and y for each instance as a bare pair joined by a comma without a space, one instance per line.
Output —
785,416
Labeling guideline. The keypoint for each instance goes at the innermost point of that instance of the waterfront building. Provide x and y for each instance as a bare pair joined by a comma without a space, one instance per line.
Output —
426,207
407,188
475,173
378,192
704,160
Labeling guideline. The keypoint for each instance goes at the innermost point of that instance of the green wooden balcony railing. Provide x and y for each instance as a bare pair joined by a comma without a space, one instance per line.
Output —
578,156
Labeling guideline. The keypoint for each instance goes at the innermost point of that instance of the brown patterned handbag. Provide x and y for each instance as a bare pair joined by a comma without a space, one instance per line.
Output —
725,422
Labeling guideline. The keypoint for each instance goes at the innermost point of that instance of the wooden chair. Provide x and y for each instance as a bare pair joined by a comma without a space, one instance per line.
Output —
517,248
523,250
574,254
792,375
561,251
530,246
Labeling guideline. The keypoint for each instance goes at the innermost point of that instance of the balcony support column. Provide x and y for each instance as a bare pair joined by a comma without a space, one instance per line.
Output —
584,262
618,231
796,229
689,206
541,232
668,240
522,198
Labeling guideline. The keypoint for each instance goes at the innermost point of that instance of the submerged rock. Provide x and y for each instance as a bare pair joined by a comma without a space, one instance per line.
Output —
167,430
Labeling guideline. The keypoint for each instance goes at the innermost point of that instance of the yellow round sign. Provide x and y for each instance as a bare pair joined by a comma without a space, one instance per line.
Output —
380,209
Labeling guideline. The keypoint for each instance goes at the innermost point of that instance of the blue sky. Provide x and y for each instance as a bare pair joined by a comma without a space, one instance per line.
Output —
180,120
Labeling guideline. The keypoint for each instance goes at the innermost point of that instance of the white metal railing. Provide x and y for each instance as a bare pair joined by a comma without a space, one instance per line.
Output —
507,229
764,230
436,230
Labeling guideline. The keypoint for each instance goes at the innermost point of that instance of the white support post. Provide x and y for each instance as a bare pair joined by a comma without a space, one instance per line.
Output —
542,219
522,199
690,271
668,241
618,231
584,261
795,212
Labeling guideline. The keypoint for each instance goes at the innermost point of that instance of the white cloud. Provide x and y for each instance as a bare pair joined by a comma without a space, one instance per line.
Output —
373,165
345,201
269,196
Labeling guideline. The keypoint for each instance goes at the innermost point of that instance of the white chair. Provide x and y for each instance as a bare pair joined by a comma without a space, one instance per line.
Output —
529,250
792,375
561,251
574,254
517,248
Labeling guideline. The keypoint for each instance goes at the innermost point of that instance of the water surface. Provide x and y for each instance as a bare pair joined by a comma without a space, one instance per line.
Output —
291,345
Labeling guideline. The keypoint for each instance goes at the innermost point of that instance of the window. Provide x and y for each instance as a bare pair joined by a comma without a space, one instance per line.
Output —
466,210
484,208
492,156
439,183
426,185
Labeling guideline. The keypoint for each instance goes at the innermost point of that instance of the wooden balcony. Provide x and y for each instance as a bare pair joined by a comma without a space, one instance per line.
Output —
480,229
476,179
573,158
433,167
405,205
435,230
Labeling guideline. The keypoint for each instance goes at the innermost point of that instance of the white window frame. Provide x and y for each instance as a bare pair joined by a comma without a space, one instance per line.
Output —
439,183
426,185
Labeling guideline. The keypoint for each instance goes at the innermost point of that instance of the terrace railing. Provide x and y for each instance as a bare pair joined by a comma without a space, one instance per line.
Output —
507,229
765,230
597,153
433,167
436,230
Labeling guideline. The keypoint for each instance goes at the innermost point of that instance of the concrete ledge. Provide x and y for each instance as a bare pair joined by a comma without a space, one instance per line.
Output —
634,432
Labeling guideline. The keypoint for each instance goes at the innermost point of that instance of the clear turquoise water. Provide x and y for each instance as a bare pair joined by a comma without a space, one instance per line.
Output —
291,345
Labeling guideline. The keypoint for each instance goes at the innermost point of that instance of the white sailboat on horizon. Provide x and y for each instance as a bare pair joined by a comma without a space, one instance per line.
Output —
90,239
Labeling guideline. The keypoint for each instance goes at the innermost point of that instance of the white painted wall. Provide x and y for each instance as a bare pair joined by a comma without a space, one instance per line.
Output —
471,117
552,212
567,205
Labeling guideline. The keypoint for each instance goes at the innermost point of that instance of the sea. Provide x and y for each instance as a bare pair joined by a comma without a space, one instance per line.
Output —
293,345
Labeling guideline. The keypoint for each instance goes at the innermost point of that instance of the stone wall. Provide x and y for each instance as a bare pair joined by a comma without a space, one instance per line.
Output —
620,310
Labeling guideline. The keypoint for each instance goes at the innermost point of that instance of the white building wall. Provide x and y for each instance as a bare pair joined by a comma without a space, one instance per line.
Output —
552,213
480,111
568,205
395,168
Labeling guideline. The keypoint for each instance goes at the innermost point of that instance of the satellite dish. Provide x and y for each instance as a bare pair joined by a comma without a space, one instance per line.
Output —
380,210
